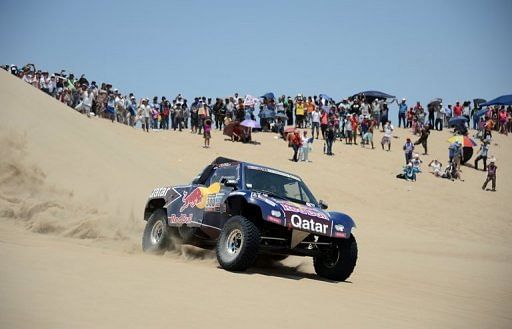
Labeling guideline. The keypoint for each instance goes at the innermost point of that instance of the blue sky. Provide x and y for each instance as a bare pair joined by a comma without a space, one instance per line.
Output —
416,49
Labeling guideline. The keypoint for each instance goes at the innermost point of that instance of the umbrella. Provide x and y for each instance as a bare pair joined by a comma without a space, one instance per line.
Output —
281,115
435,102
478,102
457,121
269,95
467,153
502,100
250,124
481,112
372,94
465,141
324,96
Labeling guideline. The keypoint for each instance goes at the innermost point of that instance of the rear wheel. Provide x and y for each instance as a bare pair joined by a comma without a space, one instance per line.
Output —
156,233
238,244
339,262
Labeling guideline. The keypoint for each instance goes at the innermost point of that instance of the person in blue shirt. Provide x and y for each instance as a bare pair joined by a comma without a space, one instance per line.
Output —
402,110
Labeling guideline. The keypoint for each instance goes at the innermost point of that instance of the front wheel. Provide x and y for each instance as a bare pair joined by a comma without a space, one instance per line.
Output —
156,233
339,262
238,244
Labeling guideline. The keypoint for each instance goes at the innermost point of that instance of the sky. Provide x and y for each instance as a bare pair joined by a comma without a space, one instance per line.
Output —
453,49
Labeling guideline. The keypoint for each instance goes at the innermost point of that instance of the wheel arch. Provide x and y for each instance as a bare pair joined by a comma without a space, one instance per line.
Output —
152,205
238,205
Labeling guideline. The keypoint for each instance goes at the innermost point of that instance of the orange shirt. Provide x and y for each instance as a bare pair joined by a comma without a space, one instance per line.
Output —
310,107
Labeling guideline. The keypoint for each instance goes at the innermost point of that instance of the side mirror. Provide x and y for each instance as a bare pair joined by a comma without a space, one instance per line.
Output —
323,204
229,182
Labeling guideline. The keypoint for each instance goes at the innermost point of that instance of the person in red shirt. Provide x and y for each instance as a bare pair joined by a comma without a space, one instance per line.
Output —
457,110
355,124
296,142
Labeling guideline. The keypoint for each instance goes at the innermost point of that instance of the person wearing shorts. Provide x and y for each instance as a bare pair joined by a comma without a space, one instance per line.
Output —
386,139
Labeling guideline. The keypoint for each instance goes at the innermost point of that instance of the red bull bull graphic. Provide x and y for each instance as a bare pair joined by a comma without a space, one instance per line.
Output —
191,199
198,196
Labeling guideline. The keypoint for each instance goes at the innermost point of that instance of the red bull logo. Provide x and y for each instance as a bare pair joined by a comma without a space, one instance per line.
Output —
191,199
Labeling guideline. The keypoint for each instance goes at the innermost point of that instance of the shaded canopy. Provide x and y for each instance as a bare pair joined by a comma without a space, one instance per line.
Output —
502,100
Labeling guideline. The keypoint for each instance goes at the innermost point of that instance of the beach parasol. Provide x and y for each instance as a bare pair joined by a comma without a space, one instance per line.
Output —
373,94
250,124
478,102
482,112
502,100
457,121
435,102
465,141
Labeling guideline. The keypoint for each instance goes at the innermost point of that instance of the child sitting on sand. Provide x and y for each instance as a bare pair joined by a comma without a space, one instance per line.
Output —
437,168
416,163
408,173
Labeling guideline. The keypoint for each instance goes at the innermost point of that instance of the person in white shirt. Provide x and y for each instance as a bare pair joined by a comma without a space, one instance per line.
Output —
315,123
306,146
386,139
144,112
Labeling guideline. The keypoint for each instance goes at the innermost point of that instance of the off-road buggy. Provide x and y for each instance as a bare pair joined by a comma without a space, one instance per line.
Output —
246,211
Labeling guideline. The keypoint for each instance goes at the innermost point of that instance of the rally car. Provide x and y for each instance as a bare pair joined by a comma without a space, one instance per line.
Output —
246,211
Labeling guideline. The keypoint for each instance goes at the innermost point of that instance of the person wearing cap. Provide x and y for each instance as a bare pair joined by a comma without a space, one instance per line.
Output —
131,106
482,154
300,109
408,150
386,139
491,175
402,110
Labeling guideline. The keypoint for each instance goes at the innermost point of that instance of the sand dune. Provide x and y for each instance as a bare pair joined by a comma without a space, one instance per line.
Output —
434,253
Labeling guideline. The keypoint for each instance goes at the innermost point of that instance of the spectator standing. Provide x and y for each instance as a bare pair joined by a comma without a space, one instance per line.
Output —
402,110
408,150
440,115
386,139
300,109
491,175
207,125
144,112
457,110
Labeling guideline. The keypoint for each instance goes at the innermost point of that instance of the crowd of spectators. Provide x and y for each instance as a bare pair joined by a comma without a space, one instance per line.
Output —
351,117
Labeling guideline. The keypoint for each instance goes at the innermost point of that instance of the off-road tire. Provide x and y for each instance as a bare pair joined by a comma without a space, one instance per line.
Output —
157,233
340,267
238,244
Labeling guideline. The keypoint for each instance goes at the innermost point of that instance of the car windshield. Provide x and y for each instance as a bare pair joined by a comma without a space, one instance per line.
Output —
278,184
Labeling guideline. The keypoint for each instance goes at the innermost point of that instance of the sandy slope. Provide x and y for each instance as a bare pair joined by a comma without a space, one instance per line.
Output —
433,253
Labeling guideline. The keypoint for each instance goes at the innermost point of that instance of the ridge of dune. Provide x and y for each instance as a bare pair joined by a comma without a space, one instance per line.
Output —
432,253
